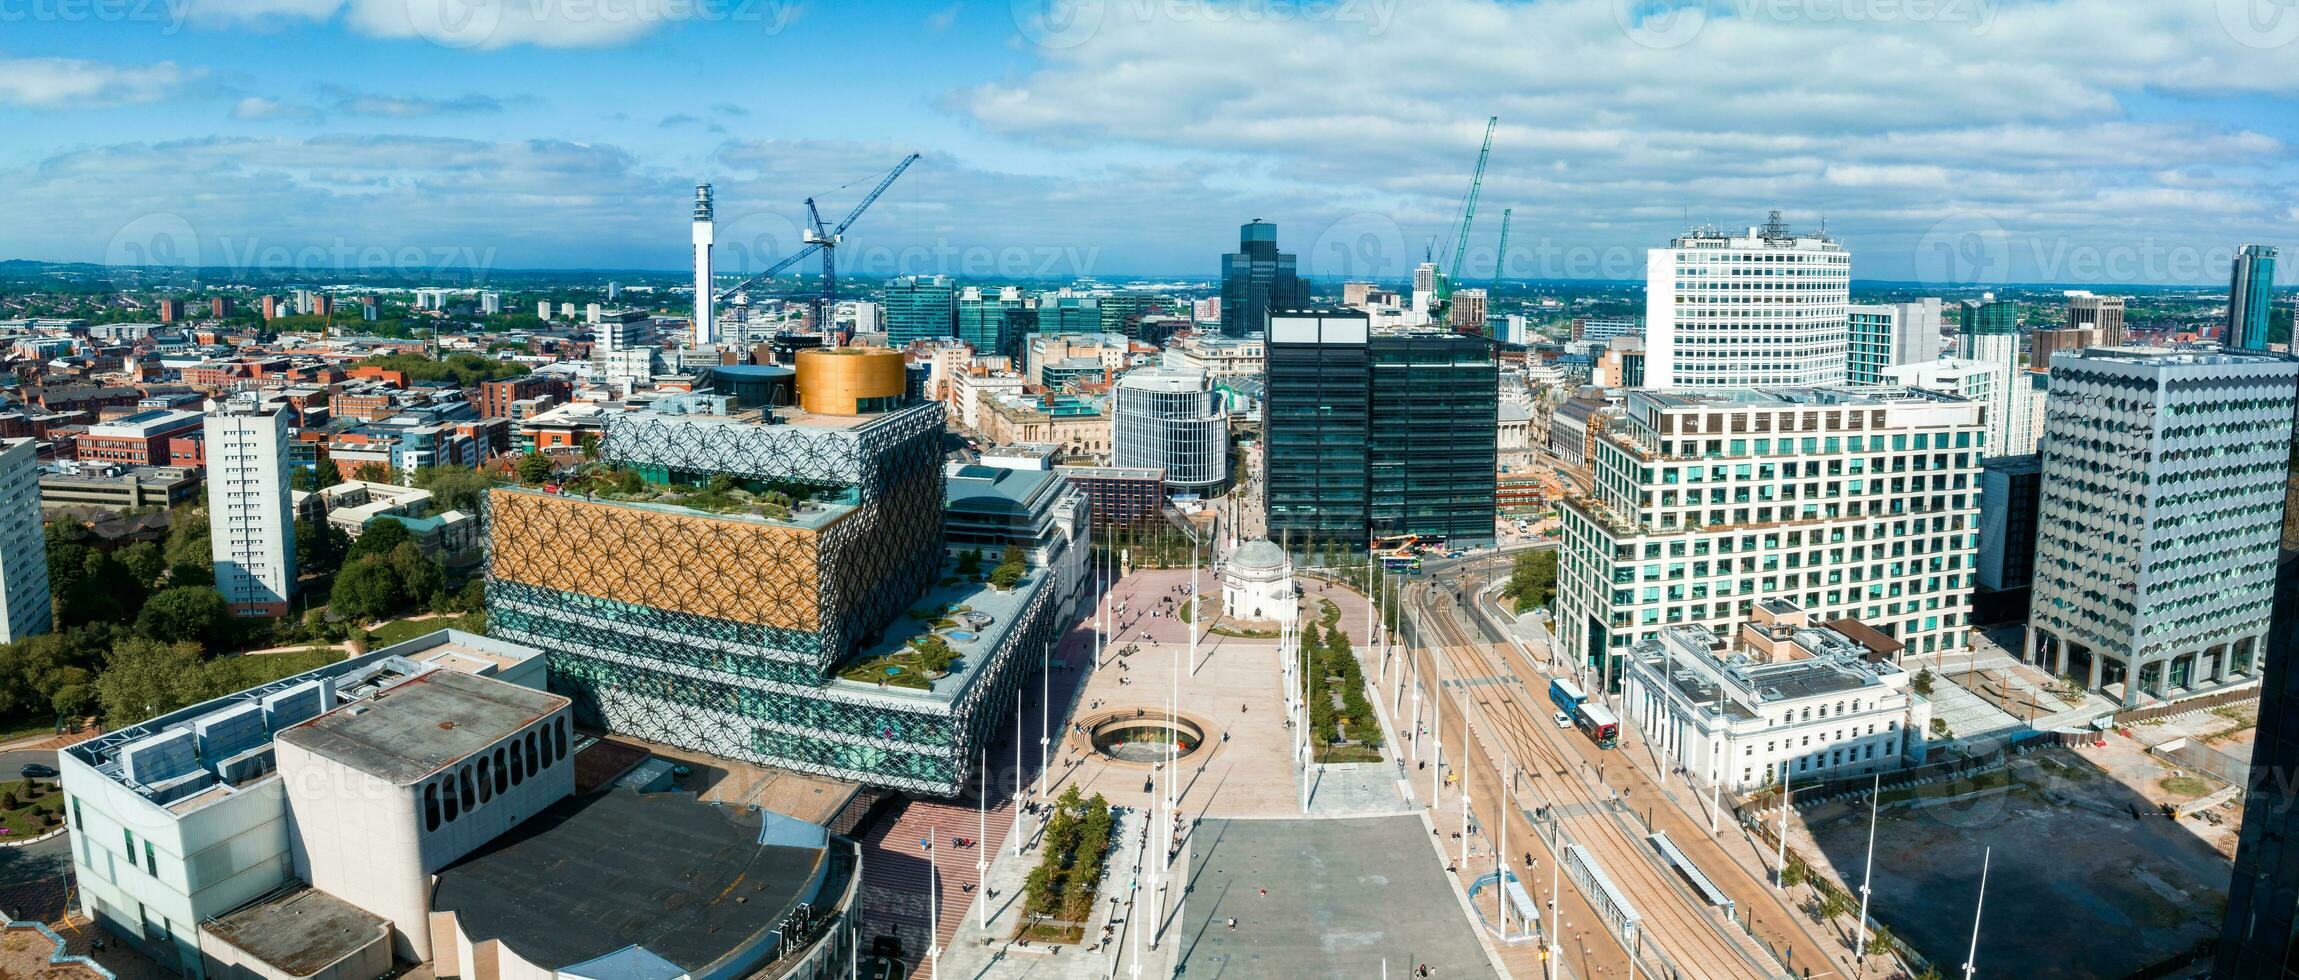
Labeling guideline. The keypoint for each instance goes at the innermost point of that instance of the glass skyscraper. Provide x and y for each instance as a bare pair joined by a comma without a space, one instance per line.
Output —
2250,298
919,308
1256,279
1375,435
983,319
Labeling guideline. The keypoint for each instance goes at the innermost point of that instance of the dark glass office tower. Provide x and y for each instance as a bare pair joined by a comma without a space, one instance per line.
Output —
1314,425
2258,939
1373,435
1256,279
2250,298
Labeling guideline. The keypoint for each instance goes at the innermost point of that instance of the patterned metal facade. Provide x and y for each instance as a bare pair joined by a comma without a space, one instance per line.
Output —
722,633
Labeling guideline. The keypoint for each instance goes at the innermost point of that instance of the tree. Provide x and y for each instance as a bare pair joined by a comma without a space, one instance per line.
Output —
1010,568
1922,682
319,547
1533,579
1879,942
380,537
144,678
453,487
188,539
970,562
1833,905
421,580
187,614
144,562
535,468
365,590
374,472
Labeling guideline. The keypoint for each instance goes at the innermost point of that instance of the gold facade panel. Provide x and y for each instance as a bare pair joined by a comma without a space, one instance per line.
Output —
835,381
729,569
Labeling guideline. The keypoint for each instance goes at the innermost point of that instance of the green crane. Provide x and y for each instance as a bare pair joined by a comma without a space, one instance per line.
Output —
1467,215
1501,256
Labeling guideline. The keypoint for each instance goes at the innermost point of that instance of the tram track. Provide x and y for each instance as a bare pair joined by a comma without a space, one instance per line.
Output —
1689,936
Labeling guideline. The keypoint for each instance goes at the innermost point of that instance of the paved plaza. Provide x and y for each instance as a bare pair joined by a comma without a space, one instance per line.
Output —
1344,898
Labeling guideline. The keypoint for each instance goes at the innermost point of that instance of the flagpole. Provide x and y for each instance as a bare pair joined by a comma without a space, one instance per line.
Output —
934,915
982,829
1860,942
1974,953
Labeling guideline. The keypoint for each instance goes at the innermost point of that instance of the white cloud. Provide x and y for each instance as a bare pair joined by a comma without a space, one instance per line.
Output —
73,83
409,106
490,24
259,109
1613,129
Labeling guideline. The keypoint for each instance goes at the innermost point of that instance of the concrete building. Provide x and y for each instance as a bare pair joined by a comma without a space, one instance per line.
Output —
251,515
1879,337
1175,421
1791,698
24,592
2163,487
987,507
139,439
1221,357
1118,496
2102,315
117,488
1737,311
1467,313
1852,503
181,819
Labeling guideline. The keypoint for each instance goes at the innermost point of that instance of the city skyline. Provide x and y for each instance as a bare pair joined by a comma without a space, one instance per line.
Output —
2116,144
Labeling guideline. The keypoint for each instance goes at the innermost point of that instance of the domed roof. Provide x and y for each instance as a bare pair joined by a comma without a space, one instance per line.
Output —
1259,555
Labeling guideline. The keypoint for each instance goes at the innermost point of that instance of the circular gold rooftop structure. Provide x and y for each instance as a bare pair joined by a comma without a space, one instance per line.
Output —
850,380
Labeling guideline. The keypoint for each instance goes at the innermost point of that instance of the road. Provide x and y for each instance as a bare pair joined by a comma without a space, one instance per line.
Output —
1506,701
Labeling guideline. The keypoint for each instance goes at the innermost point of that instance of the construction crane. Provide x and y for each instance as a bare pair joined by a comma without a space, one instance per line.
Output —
1445,277
820,238
1501,254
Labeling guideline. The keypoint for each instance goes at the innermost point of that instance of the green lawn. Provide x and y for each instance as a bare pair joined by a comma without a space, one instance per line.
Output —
402,630
23,820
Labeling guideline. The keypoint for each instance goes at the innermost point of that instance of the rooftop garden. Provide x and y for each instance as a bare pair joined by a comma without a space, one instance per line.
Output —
915,665
720,494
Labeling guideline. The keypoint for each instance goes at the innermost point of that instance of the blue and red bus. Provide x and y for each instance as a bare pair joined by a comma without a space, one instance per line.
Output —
1567,696
1599,724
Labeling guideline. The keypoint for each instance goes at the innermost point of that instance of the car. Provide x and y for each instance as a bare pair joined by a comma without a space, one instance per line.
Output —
1563,720
37,771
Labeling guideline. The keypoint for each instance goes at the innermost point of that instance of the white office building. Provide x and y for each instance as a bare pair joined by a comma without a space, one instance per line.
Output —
2162,510
1172,420
1767,308
490,303
1879,337
23,549
251,513
1853,503
184,818
1791,698
1976,381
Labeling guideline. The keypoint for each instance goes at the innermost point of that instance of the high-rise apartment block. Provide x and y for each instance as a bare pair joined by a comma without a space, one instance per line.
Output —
1990,333
1257,279
1425,288
1879,337
1468,311
1172,419
171,310
1767,308
2163,485
24,596
2102,315
919,308
1849,502
1376,435
2250,300
220,307
251,514
490,303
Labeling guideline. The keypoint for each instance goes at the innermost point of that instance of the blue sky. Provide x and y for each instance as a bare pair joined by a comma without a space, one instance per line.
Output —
1942,140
